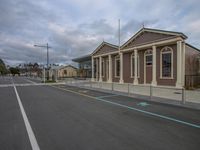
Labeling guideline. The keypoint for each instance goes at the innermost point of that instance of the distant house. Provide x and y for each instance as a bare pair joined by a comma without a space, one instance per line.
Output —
84,66
67,71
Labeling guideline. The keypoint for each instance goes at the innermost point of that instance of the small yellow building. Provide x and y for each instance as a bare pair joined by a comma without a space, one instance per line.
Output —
67,71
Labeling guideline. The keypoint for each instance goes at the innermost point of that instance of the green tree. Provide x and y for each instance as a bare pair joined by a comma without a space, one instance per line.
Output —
14,71
3,69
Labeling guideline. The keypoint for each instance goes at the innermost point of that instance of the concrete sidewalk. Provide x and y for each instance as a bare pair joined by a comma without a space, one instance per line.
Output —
164,95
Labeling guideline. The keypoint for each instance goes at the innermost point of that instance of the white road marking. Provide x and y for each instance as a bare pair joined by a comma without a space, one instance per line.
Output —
31,135
29,84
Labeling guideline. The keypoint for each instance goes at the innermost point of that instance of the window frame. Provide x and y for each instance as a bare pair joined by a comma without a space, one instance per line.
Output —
138,67
148,52
166,50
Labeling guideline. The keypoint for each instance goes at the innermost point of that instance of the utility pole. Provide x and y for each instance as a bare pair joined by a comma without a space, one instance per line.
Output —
48,55
119,34
46,46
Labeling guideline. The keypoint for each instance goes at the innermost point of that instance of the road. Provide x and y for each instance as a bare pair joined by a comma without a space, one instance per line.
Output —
62,117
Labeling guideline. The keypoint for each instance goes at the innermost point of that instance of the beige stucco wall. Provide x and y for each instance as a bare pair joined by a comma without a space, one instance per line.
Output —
67,71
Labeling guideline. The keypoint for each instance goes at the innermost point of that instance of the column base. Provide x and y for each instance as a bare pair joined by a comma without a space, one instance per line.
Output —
100,80
135,82
179,85
121,81
154,83
92,79
109,81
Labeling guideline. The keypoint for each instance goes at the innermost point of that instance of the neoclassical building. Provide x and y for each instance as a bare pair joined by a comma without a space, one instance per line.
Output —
151,56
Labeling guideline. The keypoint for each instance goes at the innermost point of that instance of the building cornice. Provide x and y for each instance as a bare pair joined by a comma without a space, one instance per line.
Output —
152,44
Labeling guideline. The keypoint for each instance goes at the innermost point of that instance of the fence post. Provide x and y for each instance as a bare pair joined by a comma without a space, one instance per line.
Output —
150,92
128,89
90,84
183,95
112,86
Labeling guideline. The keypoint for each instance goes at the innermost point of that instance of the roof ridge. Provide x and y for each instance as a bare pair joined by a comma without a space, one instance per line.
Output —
151,30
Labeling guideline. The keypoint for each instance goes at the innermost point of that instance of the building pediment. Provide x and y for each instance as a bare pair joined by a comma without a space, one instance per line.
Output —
104,48
146,36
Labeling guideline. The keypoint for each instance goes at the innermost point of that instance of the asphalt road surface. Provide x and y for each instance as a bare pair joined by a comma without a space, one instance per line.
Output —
61,117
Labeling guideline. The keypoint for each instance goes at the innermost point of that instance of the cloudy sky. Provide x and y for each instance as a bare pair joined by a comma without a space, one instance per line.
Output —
75,27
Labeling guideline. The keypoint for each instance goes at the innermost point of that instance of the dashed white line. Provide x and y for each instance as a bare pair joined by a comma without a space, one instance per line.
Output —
33,141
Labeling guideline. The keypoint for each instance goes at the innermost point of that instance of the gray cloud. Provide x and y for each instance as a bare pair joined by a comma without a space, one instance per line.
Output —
75,27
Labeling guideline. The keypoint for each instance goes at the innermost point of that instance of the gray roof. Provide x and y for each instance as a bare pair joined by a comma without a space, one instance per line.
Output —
61,67
82,58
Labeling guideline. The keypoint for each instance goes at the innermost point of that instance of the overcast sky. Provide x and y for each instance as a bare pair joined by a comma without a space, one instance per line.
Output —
76,27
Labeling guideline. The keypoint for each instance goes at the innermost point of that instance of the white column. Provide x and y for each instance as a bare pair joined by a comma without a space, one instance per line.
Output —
179,64
121,68
199,64
135,67
92,69
97,69
154,81
110,68
100,69
183,64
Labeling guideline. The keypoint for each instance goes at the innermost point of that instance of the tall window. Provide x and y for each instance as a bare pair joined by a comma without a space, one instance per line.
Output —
117,66
148,55
133,65
166,62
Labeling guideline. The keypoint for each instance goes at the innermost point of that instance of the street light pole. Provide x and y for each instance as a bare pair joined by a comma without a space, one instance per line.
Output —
46,46
47,55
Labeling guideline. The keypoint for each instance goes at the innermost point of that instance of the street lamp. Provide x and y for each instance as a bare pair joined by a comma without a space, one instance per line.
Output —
46,46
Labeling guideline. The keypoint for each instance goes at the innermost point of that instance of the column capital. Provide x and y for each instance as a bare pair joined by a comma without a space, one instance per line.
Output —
179,41
153,46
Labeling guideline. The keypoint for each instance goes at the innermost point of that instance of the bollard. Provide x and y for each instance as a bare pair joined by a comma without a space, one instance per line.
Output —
128,89
90,84
183,95
112,86
150,92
